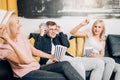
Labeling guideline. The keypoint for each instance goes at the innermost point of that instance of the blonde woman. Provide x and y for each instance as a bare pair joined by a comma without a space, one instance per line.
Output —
18,52
95,44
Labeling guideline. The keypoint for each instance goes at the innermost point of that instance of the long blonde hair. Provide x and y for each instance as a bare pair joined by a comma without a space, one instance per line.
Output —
11,25
6,20
102,34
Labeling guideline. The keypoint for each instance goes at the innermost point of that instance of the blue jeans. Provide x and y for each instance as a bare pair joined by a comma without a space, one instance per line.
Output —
54,71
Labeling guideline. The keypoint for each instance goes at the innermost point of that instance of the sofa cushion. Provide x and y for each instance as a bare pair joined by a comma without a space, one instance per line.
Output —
76,46
32,41
114,45
80,46
72,48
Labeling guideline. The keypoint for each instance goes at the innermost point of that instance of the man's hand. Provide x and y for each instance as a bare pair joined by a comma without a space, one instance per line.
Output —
42,29
59,29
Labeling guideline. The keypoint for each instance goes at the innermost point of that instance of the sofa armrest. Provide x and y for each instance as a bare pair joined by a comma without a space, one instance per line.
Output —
113,42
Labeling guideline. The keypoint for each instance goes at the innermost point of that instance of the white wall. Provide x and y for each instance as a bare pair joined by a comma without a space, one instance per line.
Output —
67,23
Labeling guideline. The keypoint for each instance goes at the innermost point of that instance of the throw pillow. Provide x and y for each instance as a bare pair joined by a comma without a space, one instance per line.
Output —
72,48
32,41
80,45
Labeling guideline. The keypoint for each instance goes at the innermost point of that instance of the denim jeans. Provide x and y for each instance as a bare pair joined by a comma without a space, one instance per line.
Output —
54,71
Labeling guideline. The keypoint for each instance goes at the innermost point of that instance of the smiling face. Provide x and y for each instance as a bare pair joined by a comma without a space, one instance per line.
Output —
98,28
52,29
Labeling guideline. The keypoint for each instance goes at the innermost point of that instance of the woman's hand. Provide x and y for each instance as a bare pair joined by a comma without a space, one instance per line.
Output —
54,59
85,22
3,33
93,55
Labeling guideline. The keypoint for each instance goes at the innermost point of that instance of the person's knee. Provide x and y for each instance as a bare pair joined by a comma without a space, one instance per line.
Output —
117,68
76,63
110,61
65,63
100,63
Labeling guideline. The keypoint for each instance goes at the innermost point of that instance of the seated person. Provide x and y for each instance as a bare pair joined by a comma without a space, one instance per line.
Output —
96,40
16,49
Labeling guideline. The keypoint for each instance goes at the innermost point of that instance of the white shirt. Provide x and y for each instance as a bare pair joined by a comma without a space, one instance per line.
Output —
53,47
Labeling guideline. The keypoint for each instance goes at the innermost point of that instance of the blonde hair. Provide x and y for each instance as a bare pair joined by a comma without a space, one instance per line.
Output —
10,19
10,23
5,18
102,34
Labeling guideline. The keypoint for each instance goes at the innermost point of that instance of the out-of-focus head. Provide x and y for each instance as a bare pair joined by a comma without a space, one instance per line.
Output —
10,19
98,28
51,29
4,16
